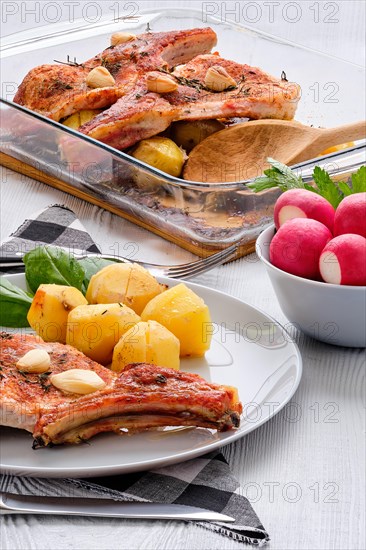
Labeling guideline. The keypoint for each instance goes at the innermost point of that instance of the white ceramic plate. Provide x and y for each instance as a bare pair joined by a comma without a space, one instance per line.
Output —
249,350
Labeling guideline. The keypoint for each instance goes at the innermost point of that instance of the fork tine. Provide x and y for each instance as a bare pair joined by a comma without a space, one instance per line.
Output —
188,267
196,270
212,259
201,266
192,267
215,259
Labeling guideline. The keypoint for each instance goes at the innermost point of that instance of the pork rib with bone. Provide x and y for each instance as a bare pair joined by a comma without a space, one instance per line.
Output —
142,397
132,112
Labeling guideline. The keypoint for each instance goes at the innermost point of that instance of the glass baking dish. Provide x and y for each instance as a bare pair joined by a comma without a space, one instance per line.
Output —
200,217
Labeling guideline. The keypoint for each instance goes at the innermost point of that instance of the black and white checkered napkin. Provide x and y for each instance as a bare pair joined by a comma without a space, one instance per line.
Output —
205,482
56,225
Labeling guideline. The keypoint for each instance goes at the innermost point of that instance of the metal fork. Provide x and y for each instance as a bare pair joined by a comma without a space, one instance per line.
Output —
179,271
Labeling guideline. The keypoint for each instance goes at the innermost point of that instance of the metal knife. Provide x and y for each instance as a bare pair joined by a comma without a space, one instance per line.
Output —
97,507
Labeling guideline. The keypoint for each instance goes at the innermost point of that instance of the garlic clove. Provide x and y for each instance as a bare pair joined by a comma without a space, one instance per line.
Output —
78,381
218,79
100,77
121,38
34,361
160,83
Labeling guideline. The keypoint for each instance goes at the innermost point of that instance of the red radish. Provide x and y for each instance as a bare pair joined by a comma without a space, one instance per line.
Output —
301,203
343,260
297,246
350,216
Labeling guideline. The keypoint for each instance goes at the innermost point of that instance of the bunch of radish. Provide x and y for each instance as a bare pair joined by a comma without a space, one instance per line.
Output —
315,241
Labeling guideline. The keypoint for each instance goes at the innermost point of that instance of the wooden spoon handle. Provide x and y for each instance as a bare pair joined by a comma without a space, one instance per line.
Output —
342,134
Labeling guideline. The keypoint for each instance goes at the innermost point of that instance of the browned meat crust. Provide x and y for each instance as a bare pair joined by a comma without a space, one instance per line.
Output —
142,114
23,397
57,91
143,396
135,113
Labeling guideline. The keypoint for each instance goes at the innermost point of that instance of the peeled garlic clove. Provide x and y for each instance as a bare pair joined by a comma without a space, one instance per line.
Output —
218,79
121,38
34,361
78,381
160,83
100,77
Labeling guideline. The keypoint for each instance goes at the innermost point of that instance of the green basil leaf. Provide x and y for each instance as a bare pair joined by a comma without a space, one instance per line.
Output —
52,265
14,305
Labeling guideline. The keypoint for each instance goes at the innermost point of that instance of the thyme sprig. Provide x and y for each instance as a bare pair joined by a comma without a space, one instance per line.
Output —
112,66
59,85
242,90
199,86
69,62
190,82
41,379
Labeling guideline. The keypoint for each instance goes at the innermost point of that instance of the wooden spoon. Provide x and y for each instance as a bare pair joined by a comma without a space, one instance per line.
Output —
239,153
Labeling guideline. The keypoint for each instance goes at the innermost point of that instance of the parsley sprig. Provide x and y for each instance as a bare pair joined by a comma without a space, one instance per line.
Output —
280,175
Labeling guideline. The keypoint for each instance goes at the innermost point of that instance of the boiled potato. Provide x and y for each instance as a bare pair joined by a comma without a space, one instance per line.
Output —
96,329
109,285
73,121
162,153
148,342
50,309
142,287
130,284
188,134
186,315
86,115
82,117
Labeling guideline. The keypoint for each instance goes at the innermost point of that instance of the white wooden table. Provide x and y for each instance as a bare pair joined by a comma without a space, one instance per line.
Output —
304,471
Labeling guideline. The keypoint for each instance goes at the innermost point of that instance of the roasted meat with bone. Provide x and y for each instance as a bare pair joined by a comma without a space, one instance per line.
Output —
142,397
135,111
59,90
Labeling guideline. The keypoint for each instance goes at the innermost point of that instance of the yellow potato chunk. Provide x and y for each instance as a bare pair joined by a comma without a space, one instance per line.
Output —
142,287
73,121
96,329
162,153
86,115
148,342
186,315
78,119
189,133
50,309
129,284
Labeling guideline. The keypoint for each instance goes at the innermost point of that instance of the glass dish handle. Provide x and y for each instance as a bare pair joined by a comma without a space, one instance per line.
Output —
342,163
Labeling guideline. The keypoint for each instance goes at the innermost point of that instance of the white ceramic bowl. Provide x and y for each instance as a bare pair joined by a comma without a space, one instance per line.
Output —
334,314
